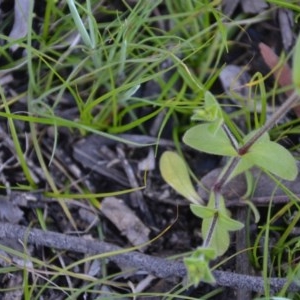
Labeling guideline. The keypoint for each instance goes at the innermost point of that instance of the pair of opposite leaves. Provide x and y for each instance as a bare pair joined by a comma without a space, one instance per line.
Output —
264,153
198,263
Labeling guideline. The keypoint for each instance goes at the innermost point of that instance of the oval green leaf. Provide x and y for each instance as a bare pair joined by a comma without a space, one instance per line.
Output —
201,138
273,158
228,223
174,171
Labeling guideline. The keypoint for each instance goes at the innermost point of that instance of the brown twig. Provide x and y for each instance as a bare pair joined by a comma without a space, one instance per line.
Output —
156,266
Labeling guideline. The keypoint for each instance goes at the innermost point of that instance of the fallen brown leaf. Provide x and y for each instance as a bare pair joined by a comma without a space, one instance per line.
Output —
282,74
125,220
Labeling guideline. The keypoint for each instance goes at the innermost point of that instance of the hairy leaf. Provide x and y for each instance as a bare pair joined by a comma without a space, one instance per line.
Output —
201,138
174,171
270,156
229,224
273,158
202,211
242,166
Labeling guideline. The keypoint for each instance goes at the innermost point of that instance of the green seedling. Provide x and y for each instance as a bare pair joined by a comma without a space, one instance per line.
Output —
214,137
198,267
210,113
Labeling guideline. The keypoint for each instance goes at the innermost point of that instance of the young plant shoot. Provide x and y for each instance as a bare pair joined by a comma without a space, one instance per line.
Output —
214,137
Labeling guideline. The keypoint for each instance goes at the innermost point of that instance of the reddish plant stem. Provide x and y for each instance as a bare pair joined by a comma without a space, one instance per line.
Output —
277,115
225,175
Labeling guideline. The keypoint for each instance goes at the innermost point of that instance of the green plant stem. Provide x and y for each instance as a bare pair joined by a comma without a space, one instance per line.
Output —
277,115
